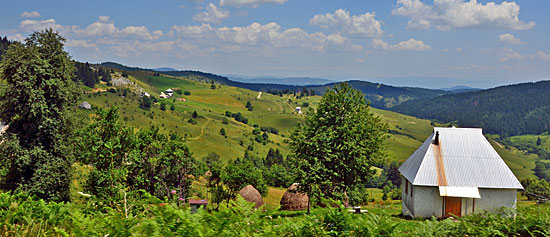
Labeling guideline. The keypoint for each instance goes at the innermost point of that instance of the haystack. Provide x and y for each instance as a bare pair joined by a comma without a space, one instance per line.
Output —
293,200
251,194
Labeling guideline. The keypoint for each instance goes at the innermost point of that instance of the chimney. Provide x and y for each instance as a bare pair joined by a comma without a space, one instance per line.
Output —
436,140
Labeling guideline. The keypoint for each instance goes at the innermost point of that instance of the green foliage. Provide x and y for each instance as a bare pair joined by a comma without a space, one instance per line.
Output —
249,106
222,132
505,110
195,115
535,189
187,93
37,106
338,144
147,216
124,160
163,106
145,102
242,172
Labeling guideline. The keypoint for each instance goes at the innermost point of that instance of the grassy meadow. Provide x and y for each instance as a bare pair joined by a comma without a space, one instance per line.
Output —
406,133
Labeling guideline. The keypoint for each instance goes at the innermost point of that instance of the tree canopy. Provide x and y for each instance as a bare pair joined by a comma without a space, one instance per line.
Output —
36,106
338,143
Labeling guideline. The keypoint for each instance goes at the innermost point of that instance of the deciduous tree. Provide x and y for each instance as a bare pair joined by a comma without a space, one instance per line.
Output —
338,143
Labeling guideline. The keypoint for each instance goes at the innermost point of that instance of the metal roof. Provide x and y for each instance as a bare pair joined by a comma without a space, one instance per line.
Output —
462,158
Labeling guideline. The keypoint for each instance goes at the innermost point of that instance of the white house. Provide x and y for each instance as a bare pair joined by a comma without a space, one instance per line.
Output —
456,171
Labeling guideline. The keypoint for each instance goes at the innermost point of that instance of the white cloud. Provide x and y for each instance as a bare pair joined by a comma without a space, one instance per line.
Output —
30,14
343,22
248,3
37,25
80,44
212,14
408,45
509,39
263,36
508,54
543,56
16,37
458,14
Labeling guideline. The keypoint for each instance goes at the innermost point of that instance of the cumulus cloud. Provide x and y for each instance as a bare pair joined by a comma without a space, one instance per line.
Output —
509,39
508,54
80,44
343,22
459,14
408,45
37,25
30,14
248,3
212,14
267,35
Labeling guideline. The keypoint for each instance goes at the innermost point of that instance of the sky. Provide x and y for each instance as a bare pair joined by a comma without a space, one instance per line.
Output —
423,43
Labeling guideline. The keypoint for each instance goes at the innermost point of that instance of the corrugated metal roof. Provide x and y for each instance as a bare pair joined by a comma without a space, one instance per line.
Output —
468,161
467,192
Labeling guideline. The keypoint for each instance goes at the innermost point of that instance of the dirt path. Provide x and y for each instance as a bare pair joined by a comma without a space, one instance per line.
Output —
259,95
202,131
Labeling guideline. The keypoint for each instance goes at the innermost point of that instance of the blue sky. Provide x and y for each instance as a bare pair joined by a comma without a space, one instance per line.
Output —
425,43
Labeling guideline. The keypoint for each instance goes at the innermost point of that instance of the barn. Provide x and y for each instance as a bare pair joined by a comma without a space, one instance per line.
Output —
456,172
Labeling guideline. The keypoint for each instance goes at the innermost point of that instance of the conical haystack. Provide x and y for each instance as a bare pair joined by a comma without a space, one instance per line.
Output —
293,200
250,194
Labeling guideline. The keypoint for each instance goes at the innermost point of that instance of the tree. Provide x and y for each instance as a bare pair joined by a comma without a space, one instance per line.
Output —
222,132
338,143
249,106
195,115
539,141
36,105
163,106
145,102
172,107
104,145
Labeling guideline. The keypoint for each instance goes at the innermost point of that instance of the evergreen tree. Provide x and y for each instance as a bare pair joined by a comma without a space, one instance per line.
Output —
36,106
539,141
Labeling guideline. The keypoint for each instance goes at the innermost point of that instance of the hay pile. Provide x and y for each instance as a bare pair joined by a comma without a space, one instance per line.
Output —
292,200
250,194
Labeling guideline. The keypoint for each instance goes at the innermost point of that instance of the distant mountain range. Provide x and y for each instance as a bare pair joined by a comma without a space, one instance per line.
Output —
164,69
294,81
461,89
380,95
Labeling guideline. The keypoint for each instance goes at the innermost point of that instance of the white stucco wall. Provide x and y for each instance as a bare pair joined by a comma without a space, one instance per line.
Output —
426,202
493,199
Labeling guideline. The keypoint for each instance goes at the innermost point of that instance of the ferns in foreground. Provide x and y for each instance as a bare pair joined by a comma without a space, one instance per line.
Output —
22,215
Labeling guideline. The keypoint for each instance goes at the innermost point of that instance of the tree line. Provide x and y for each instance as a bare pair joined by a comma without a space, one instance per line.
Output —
506,110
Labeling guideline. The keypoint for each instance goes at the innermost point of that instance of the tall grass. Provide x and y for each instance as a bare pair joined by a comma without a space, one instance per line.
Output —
21,215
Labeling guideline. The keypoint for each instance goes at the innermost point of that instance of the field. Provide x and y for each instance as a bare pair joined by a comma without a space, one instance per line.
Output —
406,133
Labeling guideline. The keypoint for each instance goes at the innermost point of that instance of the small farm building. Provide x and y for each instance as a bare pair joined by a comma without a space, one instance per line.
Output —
196,204
456,171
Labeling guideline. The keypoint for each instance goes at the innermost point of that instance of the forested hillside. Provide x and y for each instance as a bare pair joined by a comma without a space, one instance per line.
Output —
506,110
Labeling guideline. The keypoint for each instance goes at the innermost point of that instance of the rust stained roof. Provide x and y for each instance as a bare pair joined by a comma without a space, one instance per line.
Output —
198,201
463,158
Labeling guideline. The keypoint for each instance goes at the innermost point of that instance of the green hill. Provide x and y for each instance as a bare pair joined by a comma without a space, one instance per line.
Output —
406,133
506,110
